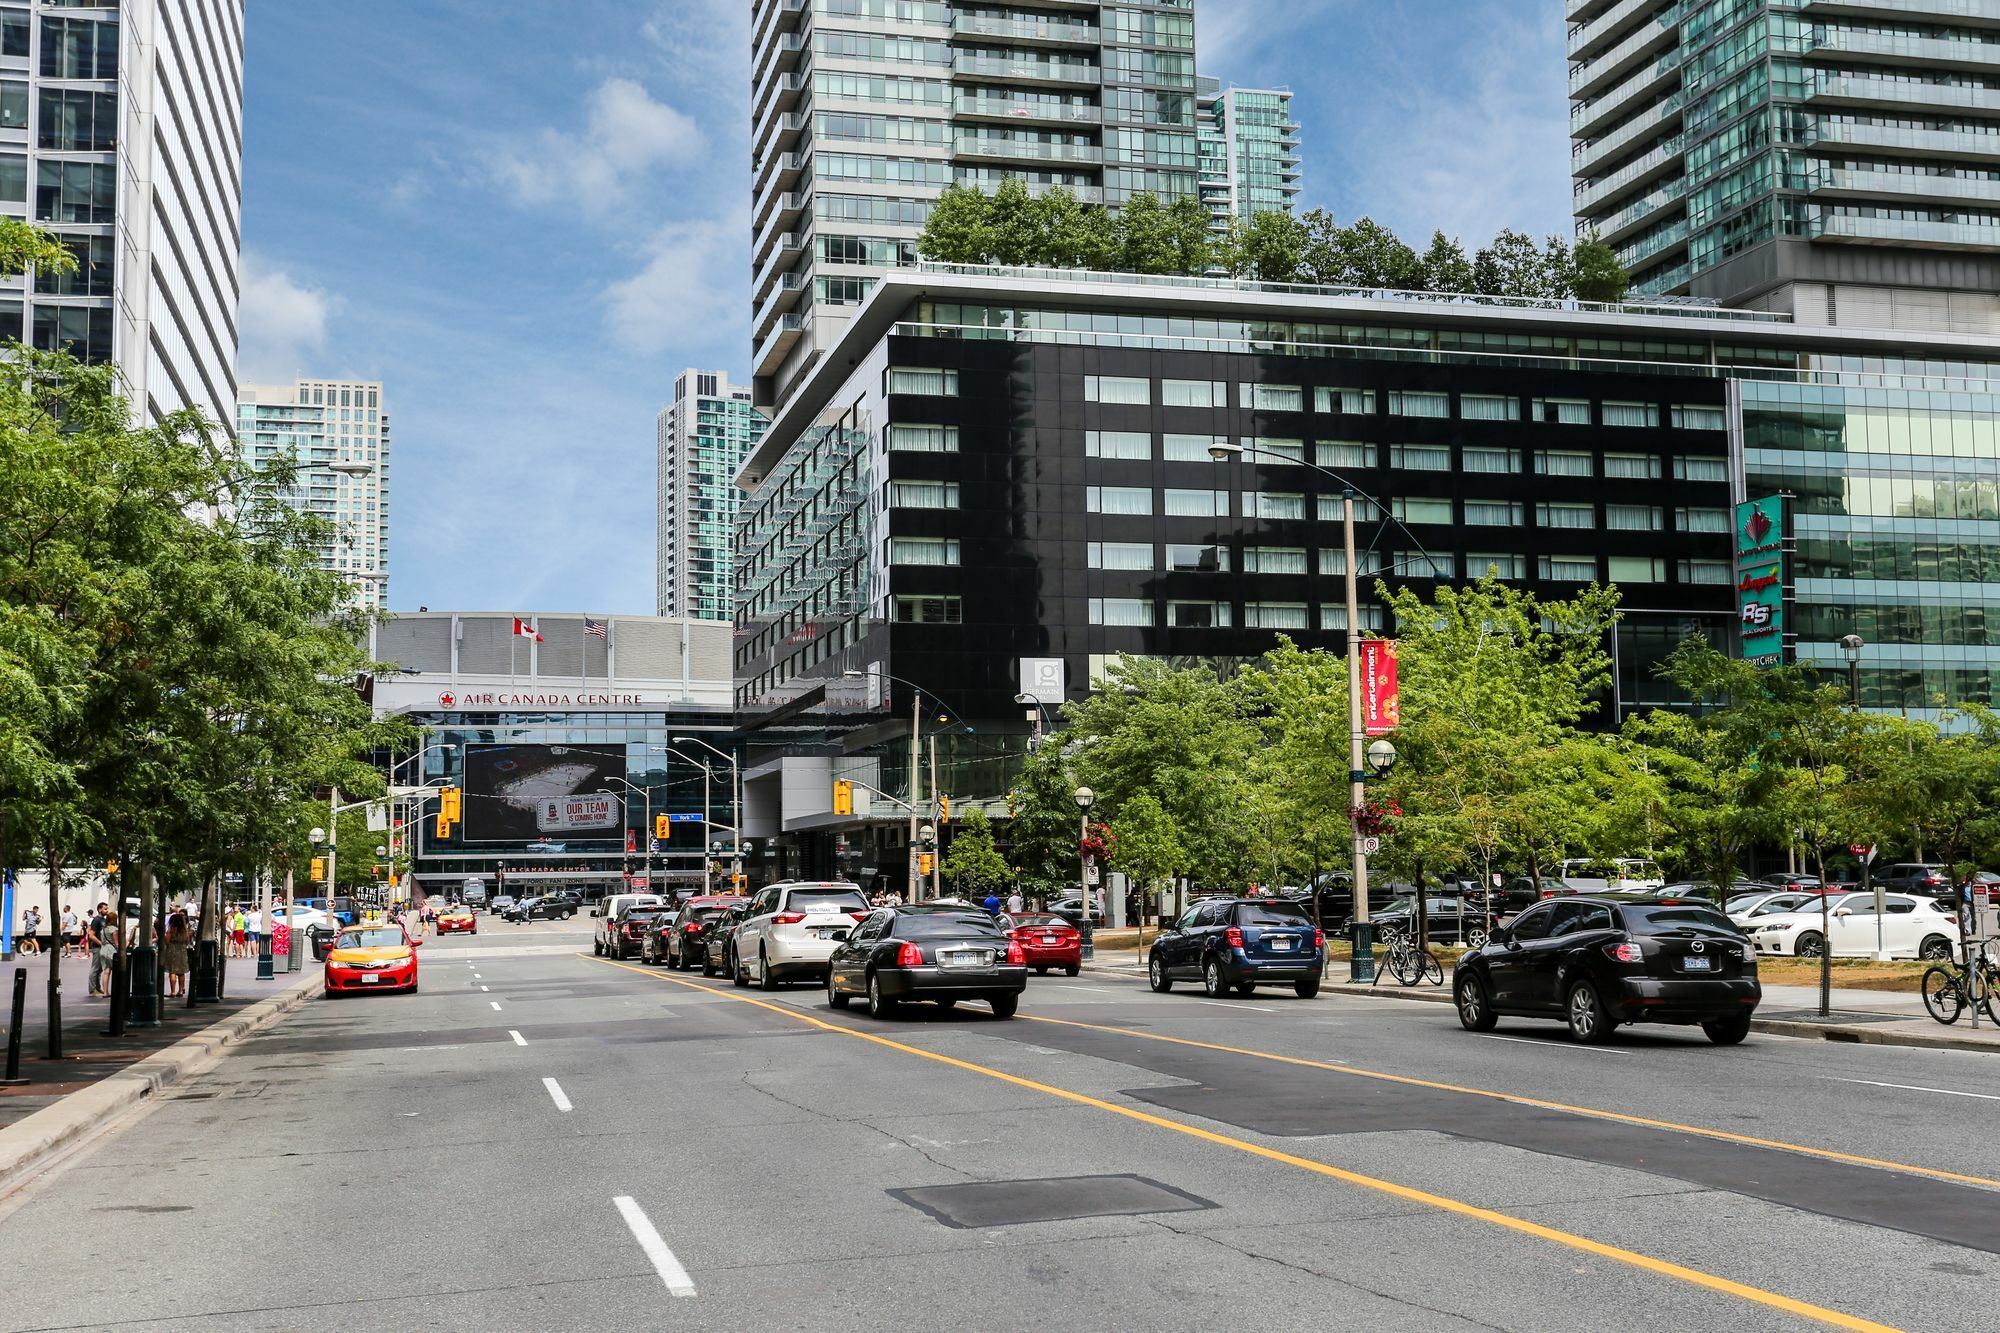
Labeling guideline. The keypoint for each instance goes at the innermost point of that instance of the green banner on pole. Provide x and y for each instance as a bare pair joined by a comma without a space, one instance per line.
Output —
1760,580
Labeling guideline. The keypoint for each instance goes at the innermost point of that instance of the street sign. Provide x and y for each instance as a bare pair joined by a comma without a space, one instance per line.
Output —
1090,872
1370,846
1863,850
378,816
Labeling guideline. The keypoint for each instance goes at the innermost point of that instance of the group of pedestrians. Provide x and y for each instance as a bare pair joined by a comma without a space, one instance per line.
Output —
243,932
97,937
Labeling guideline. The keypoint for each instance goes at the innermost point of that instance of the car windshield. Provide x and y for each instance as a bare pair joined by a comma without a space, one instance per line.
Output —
962,926
1272,914
385,937
1038,919
825,900
1742,902
1662,920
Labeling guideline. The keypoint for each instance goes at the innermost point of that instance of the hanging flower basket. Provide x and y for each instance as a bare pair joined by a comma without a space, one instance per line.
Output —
1097,844
1376,819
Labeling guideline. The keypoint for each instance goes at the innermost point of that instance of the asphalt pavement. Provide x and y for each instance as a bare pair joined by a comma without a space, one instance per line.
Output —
543,1140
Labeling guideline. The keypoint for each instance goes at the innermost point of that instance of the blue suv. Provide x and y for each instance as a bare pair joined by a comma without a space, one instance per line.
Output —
1241,944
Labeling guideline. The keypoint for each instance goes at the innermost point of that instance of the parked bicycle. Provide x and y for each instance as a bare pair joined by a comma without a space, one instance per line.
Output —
1950,990
1409,964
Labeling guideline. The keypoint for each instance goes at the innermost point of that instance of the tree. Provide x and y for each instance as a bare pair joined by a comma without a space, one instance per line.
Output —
1148,238
1192,229
1372,256
1077,236
1148,847
1598,274
1444,265
1016,227
1512,265
958,229
1269,247
973,865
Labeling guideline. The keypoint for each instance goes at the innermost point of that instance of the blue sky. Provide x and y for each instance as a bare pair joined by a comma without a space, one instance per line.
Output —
526,218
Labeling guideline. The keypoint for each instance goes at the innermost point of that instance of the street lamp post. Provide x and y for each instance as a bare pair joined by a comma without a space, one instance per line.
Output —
1085,798
917,693
735,806
646,796
1851,645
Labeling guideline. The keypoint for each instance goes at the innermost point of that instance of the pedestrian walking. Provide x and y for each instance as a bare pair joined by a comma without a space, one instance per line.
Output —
237,928
103,935
72,933
174,953
1014,903
31,926
992,904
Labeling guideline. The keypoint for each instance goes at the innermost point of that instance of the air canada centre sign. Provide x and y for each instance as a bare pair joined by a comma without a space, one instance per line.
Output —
511,698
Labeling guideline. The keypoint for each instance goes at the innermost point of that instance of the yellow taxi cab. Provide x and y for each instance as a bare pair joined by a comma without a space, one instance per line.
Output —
371,957
457,920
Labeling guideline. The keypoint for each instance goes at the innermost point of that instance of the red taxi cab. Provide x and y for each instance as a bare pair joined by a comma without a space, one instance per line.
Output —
374,956
1046,941
457,920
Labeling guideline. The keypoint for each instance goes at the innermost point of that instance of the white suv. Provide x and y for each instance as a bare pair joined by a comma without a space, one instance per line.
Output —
791,929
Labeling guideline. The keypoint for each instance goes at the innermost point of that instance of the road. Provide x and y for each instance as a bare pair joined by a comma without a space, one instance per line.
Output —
543,1140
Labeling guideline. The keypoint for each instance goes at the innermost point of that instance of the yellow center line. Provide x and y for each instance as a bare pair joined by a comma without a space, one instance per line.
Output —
1537,1103
1646,1262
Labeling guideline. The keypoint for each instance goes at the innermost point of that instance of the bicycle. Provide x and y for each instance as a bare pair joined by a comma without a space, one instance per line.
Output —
1949,991
1408,964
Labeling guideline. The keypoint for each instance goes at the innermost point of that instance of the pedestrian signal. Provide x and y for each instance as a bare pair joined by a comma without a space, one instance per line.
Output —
443,825
925,862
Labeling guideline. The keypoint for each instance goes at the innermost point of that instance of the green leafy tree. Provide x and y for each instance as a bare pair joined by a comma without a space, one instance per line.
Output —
1372,256
1016,231
1598,274
958,230
1269,247
1078,235
973,864
1192,228
1444,265
1512,265
1148,846
1148,239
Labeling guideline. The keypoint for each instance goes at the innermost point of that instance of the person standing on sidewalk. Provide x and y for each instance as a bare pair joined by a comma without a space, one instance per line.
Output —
31,926
253,931
102,935
174,953
72,931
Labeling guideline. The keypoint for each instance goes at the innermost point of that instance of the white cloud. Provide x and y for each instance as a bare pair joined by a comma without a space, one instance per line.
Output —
692,287
626,134
282,322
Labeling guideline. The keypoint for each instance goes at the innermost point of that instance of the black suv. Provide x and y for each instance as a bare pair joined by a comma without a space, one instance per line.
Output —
1598,960
1448,919
551,907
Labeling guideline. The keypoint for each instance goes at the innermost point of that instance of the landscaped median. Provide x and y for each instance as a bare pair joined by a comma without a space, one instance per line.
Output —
31,1142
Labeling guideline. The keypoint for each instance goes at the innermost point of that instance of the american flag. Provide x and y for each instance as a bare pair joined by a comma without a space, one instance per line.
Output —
596,629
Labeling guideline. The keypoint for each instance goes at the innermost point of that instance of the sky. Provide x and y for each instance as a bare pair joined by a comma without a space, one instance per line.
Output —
527,218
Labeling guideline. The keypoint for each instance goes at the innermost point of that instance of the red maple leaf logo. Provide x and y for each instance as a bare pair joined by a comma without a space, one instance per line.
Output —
447,699
1758,526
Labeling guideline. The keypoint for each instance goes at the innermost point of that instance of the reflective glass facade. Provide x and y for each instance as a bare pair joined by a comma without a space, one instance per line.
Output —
703,437
317,424
1249,150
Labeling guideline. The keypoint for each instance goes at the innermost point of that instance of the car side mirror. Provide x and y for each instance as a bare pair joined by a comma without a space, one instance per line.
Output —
1500,935
1843,911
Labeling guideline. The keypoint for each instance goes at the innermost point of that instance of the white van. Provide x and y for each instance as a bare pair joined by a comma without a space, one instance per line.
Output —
609,909
1633,874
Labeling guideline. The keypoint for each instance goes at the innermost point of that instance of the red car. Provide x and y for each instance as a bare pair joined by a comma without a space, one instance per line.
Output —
455,920
378,957
1046,941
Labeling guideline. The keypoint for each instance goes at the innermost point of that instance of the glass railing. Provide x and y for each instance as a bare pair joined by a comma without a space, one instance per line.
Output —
1026,29
1902,94
1588,72
1669,193
1027,148
1022,108
1905,183
1589,193
1933,50
1648,122
1852,227
1889,136
1025,69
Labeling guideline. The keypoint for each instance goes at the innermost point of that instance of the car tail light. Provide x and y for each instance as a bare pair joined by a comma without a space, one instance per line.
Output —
909,956
1234,936
1625,953
1319,938
1015,954
859,916
694,927
788,918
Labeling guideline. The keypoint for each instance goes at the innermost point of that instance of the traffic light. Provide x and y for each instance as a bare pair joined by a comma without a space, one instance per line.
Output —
925,862
843,798
319,867
450,807
443,825
663,827
944,809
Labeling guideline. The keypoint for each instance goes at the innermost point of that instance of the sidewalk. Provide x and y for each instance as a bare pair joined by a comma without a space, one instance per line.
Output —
88,1057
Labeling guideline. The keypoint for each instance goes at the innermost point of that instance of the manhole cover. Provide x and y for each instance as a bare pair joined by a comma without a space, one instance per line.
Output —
1006,1203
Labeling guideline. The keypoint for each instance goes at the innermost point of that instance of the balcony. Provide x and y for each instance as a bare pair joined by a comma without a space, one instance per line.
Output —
1953,145
1840,183
1651,247
1588,39
1828,89
781,171
1843,228
785,262
1651,40
1593,195
1023,110
1040,32
790,215
772,349
1025,150
1596,115
1589,156
1025,71
1976,13
1888,49
1629,219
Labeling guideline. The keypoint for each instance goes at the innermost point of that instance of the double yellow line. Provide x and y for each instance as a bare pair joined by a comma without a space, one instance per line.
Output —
1442,1203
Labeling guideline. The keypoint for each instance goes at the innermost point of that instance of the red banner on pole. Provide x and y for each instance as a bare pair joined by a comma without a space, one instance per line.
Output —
1381,708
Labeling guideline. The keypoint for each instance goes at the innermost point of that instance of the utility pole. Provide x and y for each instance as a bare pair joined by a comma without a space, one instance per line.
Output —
916,786
1361,963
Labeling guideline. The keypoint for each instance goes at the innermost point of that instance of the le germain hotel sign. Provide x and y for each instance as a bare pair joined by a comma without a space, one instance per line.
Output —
1761,579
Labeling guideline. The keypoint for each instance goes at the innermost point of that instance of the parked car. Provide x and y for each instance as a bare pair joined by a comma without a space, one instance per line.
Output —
1598,875
617,902
944,957
624,935
1516,894
1070,909
679,938
1447,920
554,907
1746,908
1913,926
718,950
1914,877
791,928
501,905
1046,941
1240,943
1598,960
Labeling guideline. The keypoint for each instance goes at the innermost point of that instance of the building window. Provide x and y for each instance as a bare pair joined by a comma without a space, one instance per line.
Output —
1699,418
923,550
1415,510
1273,397
1490,460
1633,467
1350,402
1295,450
1121,611
1198,615
13,106
923,495
1119,499
1563,411
15,29
1274,560
1330,509
1707,572
1198,559
1344,453
1197,504
1273,505
1412,404
1118,444
1189,448
1563,463
1111,389
1275,615
13,178
1121,555
1702,520
928,611
1631,414
1333,562
75,121
75,191
1420,457
923,439
1334,618
935,383
1493,513
1701,469
1565,516
1637,569
1480,565
1194,393
1632,518
1488,407
1568,568
1423,565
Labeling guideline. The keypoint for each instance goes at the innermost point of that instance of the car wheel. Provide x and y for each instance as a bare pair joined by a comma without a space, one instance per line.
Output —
1246,988
597,946
1474,1013
1156,975
1475,938
879,1005
834,998
765,980
1588,1021
1809,945
1727,1031
1005,1005
1212,981
1072,970
707,964
1936,949
1041,971
738,976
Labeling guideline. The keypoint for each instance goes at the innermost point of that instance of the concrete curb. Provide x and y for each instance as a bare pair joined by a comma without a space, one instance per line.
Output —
28,1143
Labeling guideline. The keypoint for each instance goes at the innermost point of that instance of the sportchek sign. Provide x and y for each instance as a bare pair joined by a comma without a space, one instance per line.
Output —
1761,580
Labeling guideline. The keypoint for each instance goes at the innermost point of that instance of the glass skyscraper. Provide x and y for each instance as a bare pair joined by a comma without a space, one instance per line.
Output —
337,432
1249,150
1838,160
704,436
863,111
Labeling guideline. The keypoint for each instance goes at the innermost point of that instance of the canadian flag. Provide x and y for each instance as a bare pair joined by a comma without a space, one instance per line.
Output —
523,630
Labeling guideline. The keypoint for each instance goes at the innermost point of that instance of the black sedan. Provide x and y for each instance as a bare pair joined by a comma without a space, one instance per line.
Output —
718,956
944,957
556,907
1447,919
1598,960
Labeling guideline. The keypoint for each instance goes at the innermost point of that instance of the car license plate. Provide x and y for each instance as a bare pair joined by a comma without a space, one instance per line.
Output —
1048,939
369,978
1697,964
964,958
1282,944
